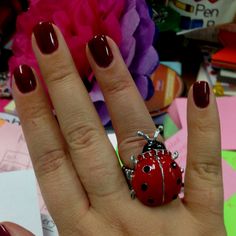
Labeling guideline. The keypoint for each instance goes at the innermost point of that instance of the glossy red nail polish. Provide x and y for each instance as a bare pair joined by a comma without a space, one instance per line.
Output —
100,50
24,78
46,37
3,231
201,94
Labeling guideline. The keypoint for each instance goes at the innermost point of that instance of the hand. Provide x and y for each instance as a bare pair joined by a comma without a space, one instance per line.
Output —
76,166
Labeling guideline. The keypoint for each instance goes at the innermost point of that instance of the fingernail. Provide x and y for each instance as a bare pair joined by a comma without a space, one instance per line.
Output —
24,78
3,231
100,50
201,94
46,37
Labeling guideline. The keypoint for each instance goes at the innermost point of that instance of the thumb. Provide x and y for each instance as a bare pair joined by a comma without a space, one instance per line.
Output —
11,229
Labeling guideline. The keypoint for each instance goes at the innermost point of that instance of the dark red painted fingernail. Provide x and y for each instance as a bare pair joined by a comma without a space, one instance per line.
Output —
201,94
46,37
3,231
24,78
101,51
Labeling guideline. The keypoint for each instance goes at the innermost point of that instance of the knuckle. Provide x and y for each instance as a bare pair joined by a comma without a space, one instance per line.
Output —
103,178
209,128
130,145
34,112
118,83
61,72
133,145
205,126
207,169
207,151
49,162
81,136
37,110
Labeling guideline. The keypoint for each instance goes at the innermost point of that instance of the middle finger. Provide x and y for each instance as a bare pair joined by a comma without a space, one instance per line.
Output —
87,141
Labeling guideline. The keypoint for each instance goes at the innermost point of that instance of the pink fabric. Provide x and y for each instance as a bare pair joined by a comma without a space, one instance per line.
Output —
127,22
3,103
78,20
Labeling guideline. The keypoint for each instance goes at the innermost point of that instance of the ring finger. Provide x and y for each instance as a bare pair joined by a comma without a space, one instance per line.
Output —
125,104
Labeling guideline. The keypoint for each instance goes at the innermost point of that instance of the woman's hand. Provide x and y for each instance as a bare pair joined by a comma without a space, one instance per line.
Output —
77,169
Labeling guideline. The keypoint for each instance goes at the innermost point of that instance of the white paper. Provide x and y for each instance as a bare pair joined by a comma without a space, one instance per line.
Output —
203,13
19,200
10,118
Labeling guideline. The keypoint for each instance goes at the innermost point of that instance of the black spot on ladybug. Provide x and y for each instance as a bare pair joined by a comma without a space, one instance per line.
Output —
150,201
173,165
179,181
144,187
146,169
175,196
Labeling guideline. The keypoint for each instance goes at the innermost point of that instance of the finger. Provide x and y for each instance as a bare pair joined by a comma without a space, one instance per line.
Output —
10,229
92,154
125,104
203,182
53,167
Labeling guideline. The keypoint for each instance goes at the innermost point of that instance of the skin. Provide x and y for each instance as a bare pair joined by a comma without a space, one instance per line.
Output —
76,166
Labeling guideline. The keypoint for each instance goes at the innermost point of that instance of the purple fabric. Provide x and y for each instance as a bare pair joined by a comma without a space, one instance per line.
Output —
138,31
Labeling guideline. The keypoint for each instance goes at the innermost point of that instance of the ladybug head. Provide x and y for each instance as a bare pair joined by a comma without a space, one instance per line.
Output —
152,143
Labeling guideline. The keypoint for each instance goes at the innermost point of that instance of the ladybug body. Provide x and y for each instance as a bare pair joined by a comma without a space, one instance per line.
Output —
156,178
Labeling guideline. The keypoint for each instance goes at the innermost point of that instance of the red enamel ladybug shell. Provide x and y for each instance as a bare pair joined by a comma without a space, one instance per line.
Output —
157,179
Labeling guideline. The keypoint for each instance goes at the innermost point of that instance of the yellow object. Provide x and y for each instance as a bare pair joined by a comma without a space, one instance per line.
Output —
183,6
218,90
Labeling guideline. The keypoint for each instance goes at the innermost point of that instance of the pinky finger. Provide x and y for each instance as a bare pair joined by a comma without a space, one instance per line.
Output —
203,182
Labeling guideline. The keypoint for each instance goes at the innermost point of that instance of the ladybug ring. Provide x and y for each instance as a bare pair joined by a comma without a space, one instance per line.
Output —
155,178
